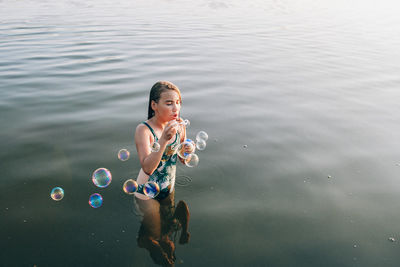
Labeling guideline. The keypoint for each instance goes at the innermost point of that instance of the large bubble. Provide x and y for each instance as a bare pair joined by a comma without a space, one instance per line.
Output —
185,149
57,193
192,160
202,135
130,186
151,189
123,154
95,200
101,177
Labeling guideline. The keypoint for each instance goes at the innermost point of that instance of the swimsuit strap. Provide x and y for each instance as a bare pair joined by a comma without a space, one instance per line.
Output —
151,129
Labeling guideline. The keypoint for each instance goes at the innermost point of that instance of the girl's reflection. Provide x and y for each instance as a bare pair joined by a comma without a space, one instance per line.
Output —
161,221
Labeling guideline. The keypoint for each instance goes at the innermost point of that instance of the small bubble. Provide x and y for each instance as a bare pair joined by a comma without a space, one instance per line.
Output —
244,146
130,186
25,221
354,246
95,200
329,176
123,154
155,147
57,193
392,239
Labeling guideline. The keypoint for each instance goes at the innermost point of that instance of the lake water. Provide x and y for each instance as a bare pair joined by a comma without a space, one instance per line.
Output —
300,100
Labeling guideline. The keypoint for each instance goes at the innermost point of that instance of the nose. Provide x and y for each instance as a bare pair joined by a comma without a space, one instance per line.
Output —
175,107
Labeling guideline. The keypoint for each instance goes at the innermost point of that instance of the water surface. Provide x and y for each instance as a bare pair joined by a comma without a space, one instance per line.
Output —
290,93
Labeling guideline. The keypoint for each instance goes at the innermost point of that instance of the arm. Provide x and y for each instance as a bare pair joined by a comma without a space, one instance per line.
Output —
143,139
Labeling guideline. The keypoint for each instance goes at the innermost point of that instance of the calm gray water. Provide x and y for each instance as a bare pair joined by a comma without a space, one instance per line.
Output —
290,93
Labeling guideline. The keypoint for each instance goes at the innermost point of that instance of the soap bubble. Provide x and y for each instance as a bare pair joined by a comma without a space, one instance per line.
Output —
185,149
185,122
101,177
155,147
57,193
95,200
202,135
192,142
130,186
123,154
201,144
151,189
192,160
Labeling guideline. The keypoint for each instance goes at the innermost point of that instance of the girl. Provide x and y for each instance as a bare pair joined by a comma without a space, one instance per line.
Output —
159,214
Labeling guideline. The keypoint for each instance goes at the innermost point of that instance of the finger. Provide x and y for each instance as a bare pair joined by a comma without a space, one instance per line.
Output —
172,122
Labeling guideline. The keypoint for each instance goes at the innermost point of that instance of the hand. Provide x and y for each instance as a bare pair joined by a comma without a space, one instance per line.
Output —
177,124
169,131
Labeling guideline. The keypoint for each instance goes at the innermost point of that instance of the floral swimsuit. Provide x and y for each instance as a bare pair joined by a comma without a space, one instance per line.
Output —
164,175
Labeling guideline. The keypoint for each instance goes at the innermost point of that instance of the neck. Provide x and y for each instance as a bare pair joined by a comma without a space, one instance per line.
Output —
157,122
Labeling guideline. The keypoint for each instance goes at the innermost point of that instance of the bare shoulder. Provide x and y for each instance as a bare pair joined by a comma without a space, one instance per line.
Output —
142,132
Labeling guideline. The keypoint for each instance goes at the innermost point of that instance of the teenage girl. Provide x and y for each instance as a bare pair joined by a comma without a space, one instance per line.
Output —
160,217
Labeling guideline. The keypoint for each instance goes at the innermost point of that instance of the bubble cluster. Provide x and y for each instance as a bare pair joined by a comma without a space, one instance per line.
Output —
101,177
57,193
95,200
130,186
155,147
151,189
192,161
202,135
123,154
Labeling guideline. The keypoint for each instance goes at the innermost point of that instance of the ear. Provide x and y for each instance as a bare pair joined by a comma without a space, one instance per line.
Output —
153,105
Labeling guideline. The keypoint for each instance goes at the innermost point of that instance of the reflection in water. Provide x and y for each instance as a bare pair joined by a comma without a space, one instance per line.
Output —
161,221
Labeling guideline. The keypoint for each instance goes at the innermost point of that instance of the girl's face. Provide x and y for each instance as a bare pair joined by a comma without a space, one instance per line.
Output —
168,106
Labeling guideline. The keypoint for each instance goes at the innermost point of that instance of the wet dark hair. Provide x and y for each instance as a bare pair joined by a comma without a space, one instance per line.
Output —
155,94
